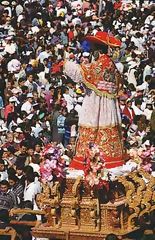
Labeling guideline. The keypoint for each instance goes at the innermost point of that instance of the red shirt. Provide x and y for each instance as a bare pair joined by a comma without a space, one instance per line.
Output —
129,113
117,5
70,35
8,109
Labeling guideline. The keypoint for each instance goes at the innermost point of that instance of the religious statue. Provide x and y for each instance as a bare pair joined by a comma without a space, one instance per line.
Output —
99,119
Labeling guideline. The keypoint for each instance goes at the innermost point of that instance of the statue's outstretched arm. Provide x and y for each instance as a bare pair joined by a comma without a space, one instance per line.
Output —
73,70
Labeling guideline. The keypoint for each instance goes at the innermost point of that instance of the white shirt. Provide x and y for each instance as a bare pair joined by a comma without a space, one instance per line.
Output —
131,77
78,108
43,55
14,65
27,107
29,85
148,19
30,192
36,130
120,67
19,10
148,113
3,176
69,101
137,110
10,48
42,78
147,71
144,86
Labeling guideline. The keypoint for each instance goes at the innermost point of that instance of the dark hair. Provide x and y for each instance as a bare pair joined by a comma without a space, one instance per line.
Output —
11,149
11,171
28,169
41,67
29,74
138,102
21,80
30,177
13,177
24,88
148,77
136,118
23,143
2,161
4,182
20,167
131,87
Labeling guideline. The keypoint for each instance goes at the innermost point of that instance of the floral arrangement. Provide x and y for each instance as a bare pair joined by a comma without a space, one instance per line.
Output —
95,172
52,165
143,156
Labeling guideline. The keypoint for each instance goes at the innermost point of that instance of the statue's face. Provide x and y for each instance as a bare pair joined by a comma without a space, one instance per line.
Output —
96,55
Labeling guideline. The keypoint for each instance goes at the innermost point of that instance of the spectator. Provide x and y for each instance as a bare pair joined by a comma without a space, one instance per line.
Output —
16,187
8,199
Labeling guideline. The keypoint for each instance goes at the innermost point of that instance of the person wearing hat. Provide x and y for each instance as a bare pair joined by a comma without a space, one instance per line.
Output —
99,121
10,107
18,135
27,106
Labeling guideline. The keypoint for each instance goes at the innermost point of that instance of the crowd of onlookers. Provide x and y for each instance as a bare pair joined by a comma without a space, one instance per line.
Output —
39,104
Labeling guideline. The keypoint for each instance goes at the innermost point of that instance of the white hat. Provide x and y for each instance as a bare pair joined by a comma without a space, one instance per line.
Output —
85,54
14,3
128,100
12,99
29,95
5,3
18,130
123,39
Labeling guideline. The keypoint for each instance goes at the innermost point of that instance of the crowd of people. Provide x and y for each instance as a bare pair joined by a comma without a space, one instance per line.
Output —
39,104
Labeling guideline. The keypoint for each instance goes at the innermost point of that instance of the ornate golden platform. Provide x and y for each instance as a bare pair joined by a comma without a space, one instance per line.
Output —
74,212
